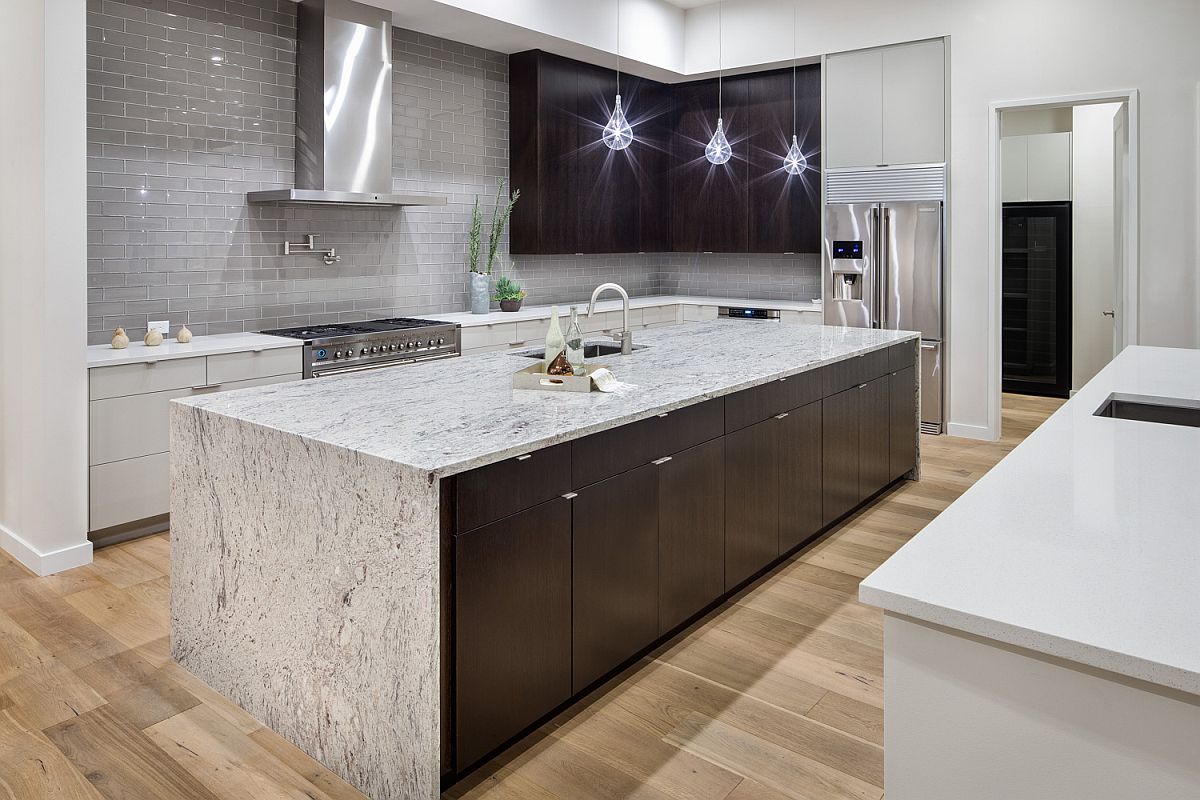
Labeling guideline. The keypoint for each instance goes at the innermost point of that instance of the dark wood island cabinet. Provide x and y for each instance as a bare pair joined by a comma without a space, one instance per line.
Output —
570,561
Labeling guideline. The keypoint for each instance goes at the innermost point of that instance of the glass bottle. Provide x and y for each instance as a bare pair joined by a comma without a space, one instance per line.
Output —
555,343
575,344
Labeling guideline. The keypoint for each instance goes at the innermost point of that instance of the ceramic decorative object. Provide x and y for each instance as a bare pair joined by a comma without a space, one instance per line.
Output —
510,305
480,294
184,336
119,339
153,339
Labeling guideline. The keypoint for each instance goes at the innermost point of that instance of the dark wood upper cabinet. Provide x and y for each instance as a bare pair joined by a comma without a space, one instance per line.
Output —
709,201
783,210
660,194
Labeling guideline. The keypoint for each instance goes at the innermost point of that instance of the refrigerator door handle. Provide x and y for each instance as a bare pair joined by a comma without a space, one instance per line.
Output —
885,267
872,292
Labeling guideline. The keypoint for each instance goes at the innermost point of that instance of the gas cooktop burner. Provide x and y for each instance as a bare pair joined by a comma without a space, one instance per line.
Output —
320,331
400,323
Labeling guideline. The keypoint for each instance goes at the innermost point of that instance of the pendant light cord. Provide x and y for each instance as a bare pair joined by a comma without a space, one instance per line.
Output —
794,4
720,56
618,48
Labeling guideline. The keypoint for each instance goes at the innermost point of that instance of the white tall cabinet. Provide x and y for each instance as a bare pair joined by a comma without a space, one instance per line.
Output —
886,106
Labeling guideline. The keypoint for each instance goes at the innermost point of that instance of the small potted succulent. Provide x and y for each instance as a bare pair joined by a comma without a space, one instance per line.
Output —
509,294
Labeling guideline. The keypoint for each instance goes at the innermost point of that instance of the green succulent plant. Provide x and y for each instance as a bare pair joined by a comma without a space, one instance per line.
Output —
508,289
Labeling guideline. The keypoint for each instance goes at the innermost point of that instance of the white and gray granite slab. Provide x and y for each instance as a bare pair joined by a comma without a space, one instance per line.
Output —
444,417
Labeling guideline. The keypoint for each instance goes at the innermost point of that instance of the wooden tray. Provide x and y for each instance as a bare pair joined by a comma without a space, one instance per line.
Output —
532,377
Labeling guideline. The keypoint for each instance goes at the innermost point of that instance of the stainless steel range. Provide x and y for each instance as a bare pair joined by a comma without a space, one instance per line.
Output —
360,346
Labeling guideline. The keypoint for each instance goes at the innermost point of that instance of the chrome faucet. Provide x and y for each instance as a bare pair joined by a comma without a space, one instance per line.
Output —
625,337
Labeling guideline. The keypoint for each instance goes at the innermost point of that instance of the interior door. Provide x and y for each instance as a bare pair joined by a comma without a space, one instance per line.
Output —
1120,223
911,266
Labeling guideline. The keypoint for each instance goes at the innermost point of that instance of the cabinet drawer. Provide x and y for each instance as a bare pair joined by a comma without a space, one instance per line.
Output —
698,313
230,367
489,493
765,401
128,427
621,449
151,376
125,491
902,355
656,315
853,371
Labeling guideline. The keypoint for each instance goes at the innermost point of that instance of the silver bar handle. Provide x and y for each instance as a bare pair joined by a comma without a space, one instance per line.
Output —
525,457
928,346
570,495
781,416
885,264
661,461
206,386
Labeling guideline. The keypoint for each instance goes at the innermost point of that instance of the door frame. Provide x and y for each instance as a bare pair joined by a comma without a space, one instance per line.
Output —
1129,291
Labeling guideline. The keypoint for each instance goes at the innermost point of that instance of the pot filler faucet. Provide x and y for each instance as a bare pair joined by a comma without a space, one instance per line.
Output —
625,337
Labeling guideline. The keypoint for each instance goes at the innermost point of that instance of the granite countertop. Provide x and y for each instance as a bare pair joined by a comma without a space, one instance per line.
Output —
1083,543
610,302
443,417
103,355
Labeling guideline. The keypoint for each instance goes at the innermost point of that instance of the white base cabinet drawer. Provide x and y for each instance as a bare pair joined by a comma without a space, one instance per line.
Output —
699,313
129,427
126,491
150,376
231,367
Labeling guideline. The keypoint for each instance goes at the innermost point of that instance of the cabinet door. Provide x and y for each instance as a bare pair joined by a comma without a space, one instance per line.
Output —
839,449
691,532
799,476
607,201
914,103
854,109
874,439
1014,166
1049,166
615,568
784,214
902,431
751,500
512,626
708,201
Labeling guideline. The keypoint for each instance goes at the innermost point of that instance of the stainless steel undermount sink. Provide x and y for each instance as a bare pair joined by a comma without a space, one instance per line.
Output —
1140,408
590,350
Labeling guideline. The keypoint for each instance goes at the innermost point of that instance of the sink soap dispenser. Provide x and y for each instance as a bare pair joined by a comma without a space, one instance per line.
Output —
556,343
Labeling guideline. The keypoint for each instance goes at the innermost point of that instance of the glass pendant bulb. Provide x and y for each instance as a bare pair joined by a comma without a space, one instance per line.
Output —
617,133
794,162
718,151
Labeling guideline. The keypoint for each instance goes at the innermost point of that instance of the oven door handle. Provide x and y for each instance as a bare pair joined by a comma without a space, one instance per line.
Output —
369,367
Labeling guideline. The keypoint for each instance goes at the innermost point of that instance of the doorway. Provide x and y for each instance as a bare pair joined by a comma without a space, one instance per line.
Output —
1063,262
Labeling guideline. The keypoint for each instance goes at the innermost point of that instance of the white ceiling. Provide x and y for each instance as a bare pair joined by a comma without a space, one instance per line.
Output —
685,4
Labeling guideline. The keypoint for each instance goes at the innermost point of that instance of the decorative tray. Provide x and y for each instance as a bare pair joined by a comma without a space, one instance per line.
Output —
533,377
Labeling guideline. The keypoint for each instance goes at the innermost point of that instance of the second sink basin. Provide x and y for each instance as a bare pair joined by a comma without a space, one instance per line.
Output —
590,350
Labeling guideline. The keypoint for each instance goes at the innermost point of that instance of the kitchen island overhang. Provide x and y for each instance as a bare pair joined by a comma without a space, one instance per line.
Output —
306,525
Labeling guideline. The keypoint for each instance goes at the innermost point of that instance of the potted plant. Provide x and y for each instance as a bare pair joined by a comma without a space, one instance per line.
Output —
509,294
480,276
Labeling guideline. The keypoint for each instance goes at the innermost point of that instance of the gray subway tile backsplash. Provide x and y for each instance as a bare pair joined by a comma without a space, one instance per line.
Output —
191,105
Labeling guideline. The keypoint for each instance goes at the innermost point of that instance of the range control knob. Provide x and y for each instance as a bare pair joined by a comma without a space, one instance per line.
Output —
364,351
337,353
431,342
411,345
394,347
441,340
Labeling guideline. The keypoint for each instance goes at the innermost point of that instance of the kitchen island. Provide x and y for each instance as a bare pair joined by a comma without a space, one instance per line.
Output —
1042,635
401,570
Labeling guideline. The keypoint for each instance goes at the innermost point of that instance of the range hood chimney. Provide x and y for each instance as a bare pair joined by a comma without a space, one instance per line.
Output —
343,109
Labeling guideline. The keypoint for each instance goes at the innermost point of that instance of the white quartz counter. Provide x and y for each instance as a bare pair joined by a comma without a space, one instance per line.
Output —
1083,543
443,417
103,355
609,302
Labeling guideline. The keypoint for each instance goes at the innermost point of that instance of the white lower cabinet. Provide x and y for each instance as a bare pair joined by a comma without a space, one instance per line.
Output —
129,424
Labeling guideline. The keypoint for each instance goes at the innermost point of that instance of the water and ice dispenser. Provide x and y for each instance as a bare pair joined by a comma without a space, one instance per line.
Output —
848,270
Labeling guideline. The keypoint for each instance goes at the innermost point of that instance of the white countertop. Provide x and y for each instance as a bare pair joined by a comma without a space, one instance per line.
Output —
103,355
1083,543
611,302
443,417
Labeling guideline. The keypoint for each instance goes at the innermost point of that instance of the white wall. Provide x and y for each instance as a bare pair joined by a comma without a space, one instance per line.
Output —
1015,50
1093,282
43,278
1034,121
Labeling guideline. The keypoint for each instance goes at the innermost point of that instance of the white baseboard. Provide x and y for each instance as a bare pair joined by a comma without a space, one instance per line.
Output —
982,432
77,555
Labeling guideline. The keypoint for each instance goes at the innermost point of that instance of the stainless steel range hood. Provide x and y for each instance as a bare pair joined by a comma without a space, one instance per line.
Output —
343,109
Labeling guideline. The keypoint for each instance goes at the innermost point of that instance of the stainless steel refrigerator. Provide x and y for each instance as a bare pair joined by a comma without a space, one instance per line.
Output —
883,269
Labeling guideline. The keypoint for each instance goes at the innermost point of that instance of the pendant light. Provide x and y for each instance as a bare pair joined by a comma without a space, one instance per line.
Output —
794,161
617,133
718,151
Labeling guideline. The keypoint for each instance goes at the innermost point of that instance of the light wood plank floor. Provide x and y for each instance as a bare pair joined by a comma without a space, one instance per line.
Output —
776,695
